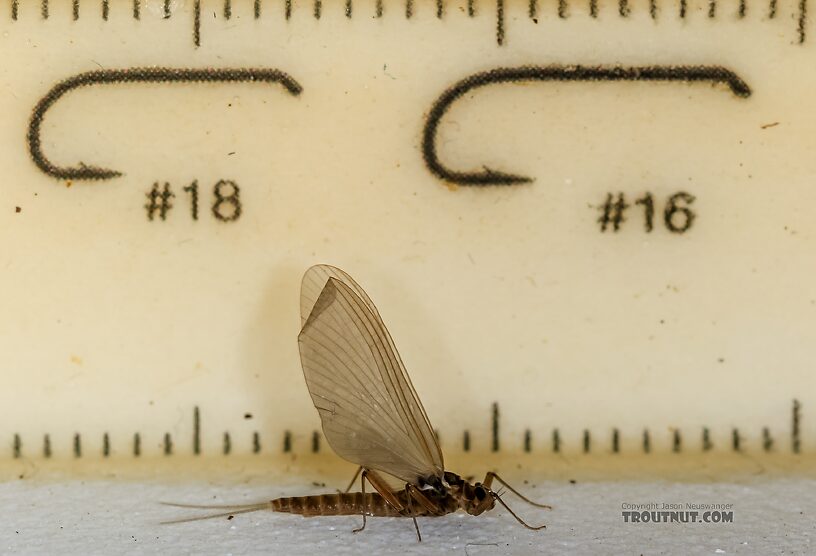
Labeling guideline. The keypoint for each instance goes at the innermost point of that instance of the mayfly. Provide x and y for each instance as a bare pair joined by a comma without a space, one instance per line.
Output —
371,416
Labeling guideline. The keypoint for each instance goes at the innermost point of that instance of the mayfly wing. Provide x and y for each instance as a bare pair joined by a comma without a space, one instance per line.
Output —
370,412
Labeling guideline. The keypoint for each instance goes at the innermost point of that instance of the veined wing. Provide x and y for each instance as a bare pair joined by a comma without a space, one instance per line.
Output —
369,409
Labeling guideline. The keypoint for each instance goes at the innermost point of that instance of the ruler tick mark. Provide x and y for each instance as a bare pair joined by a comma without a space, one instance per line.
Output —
287,9
466,441
17,447
528,441
772,9
196,431
44,9
712,9
676,441
767,441
615,441
802,20
197,23
796,417
500,22
623,8
167,9
647,442
736,440
315,442
318,8
137,445
683,8
105,9
105,445
137,9
75,9
593,8
471,8
494,419
348,9
706,440
379,8
563,9
227,9
168,444
227,448
287,442
653,9
556,441
586,441
256,442
14,7
256,9
742,8
409,9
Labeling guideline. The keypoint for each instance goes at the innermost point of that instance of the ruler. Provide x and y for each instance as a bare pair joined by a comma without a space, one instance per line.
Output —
587,225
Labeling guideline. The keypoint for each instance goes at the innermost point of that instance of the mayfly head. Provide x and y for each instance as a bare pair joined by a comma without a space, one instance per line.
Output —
475,499
478,499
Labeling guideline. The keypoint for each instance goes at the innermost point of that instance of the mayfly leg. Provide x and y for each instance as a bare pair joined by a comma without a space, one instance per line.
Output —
363,478
488,482
353,479
382,488
411,510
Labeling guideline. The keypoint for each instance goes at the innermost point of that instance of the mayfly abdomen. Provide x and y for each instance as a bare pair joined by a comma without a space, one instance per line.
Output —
352,503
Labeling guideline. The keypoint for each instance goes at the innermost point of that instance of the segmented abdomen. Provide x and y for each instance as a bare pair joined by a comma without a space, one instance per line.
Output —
352,503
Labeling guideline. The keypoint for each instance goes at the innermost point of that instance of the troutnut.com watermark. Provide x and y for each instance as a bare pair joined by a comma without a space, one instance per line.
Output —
675,512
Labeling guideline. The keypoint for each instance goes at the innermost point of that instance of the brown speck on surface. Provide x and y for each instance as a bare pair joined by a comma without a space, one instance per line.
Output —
572,481
247,415
766,126
76,360
451,186
69,183
317,484
721,360
230,517
18,209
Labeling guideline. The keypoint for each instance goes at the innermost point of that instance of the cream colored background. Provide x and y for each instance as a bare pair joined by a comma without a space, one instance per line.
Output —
110,323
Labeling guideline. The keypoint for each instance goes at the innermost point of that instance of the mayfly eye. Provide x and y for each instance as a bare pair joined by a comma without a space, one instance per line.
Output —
480,493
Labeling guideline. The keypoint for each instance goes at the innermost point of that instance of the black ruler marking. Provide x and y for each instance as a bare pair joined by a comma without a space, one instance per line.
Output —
500,22
802,20
197,23
624,9
585,443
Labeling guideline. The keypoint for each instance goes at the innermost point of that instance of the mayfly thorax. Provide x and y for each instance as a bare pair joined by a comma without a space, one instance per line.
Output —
371,416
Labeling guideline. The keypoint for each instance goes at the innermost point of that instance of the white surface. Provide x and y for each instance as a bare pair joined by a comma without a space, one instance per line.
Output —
106,517
510,295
